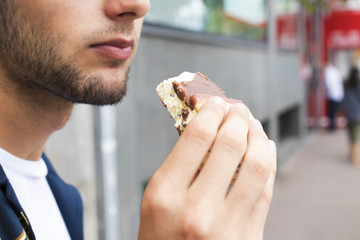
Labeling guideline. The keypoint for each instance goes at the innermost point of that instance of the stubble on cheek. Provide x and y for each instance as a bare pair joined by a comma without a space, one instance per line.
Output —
34,56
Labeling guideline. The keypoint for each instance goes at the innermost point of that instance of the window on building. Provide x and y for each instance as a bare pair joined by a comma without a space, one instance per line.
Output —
234,18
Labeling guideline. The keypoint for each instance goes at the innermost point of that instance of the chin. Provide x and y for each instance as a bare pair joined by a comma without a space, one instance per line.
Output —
103,89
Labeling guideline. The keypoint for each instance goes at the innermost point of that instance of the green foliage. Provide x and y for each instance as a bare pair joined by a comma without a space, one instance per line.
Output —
310,5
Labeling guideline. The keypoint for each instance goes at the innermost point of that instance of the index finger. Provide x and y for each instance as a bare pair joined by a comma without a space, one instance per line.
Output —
184,160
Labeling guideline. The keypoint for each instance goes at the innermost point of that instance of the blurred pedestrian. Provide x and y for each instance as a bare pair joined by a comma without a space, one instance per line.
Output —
335,91
351,106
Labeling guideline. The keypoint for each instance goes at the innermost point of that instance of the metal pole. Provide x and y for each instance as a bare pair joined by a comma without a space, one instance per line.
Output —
317,63
107,184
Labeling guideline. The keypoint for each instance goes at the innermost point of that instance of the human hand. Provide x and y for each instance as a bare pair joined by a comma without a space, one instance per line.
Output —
180,203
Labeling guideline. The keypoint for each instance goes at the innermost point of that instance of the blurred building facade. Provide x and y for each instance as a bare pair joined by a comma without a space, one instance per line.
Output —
249,48
331,30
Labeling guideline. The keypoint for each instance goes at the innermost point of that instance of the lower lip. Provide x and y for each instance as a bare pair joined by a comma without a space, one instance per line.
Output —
114,52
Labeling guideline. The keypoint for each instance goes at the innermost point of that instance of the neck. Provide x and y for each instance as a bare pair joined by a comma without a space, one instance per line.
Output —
28,117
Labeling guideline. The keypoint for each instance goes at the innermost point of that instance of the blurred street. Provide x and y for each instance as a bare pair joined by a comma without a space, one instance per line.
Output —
317,194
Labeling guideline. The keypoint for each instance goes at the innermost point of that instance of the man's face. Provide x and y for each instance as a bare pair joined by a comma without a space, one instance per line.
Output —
80,50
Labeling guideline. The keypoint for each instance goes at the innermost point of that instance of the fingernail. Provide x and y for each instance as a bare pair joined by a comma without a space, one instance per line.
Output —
256,123
219,100
272,148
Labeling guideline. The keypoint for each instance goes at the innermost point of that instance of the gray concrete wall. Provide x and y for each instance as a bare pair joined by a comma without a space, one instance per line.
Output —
244,72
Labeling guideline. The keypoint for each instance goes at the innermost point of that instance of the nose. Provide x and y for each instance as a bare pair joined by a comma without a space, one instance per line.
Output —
119,10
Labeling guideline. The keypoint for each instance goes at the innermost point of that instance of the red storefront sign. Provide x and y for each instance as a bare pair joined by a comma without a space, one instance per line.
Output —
287,31
342,30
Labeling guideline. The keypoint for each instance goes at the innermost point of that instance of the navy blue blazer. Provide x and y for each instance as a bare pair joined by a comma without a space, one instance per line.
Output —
14,225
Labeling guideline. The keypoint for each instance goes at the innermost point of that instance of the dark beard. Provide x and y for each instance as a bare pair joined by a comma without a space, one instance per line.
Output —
31,58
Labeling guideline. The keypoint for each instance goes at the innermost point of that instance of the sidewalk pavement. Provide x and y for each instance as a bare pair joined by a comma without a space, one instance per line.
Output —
317,193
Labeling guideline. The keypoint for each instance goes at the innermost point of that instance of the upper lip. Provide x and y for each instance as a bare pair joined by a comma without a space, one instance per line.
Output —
116,42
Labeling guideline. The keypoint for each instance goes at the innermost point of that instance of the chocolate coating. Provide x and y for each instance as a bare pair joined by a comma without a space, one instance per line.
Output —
200,87
185,115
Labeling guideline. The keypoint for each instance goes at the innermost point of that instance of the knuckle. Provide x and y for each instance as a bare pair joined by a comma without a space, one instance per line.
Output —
194,226
240,112
260,167
266,196
232,140
201,132
257,132
270,162
154,200
153,204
